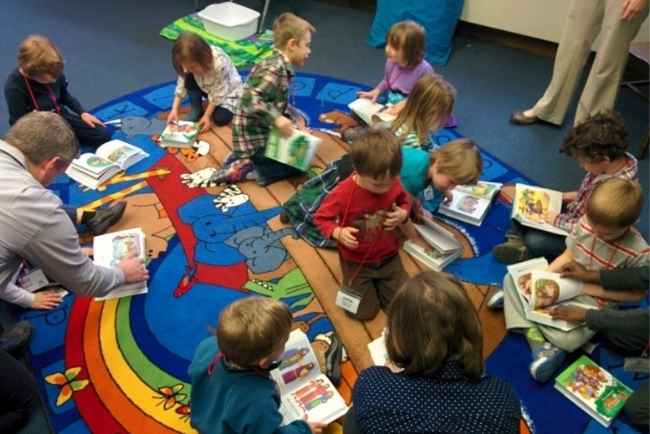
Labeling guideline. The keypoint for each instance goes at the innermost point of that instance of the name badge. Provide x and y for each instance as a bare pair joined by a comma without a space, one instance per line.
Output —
428,193
348,301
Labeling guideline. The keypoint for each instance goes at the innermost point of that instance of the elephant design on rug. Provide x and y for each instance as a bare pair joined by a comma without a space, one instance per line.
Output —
262,247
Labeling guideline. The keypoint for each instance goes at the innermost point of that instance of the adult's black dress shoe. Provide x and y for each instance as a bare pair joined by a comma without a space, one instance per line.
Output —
105,218
519,118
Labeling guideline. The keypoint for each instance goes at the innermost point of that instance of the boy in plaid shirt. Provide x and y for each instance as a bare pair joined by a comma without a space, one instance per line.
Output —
599,145
603,239
265,104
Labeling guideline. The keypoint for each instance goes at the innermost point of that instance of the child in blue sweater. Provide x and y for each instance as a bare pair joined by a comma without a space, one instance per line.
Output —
232,391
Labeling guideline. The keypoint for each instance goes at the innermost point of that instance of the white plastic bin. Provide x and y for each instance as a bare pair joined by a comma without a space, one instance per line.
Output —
229,20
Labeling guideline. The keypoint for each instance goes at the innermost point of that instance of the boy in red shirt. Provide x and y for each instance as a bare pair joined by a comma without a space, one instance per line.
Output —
362,214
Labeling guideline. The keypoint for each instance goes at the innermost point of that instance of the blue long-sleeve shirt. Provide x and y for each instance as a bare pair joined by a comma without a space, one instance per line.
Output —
229,401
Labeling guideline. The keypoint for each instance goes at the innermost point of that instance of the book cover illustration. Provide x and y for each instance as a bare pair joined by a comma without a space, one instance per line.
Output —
532,204
297,151
593,389
182,132
305,391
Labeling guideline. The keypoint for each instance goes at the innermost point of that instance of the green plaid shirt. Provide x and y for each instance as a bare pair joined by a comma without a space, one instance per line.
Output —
265,97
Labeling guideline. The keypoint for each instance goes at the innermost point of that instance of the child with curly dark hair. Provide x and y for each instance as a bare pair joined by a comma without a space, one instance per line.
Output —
599,145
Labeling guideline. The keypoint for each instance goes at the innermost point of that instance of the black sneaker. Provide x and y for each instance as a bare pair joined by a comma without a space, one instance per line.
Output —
333,358
105,218
14,340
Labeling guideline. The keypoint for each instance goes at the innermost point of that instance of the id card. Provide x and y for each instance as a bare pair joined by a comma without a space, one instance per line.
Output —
348,300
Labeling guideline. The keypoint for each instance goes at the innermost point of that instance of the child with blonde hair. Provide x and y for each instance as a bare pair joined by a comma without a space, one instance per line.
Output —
264,105
38,83
232,391
204,71
603,239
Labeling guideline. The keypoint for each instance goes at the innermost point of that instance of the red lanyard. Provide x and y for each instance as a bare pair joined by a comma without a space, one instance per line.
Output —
57,108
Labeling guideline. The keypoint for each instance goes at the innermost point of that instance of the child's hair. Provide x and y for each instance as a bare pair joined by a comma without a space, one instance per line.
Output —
252,328
376,154
460,160
38,56
616,203
427,107
431,319
289,26
410,39
599,137
190,47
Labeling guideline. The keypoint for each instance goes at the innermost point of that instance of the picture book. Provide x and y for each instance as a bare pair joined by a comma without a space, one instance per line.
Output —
470,203
532,203
593,389
305,392
179,134
110,249
370,112
549,288
114,156
33,279
522,275
296,151
442,248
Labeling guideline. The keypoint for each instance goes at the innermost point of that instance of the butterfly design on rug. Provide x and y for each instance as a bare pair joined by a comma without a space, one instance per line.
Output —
68,383
170,396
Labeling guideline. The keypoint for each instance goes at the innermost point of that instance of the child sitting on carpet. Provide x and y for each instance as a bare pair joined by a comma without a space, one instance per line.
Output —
362,214
39,84
456,163
232,391
602,239
426,109
405,64
265,104
204,71
599,145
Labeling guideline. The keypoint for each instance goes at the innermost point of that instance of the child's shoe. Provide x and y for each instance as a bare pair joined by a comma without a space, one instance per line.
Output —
14,340
512,251
546,362
495,302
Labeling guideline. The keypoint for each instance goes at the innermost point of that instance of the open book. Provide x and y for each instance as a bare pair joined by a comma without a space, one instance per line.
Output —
444,248
540,291
179,134
112,157
370,112
530,205
296,151
305,393
110,249
470,203
593,389
378,351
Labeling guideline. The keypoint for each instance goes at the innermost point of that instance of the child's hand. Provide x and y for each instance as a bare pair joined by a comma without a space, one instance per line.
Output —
449,196
569,313
372,95
316,427
285,126
204,124
46,300
346,236
91,120
172,116
574,270
395,217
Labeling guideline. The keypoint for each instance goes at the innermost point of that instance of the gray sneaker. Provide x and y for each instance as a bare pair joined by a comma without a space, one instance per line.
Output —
14,339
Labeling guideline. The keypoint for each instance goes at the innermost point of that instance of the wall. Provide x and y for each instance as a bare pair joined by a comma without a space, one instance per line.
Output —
541,19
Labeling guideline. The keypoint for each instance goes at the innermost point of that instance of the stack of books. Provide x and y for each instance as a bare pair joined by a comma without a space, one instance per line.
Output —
443,247
93,170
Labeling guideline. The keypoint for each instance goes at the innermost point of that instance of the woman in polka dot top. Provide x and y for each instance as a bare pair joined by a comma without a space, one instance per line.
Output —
434,382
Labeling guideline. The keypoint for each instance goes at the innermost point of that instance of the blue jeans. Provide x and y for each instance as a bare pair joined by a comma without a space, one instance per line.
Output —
539,243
